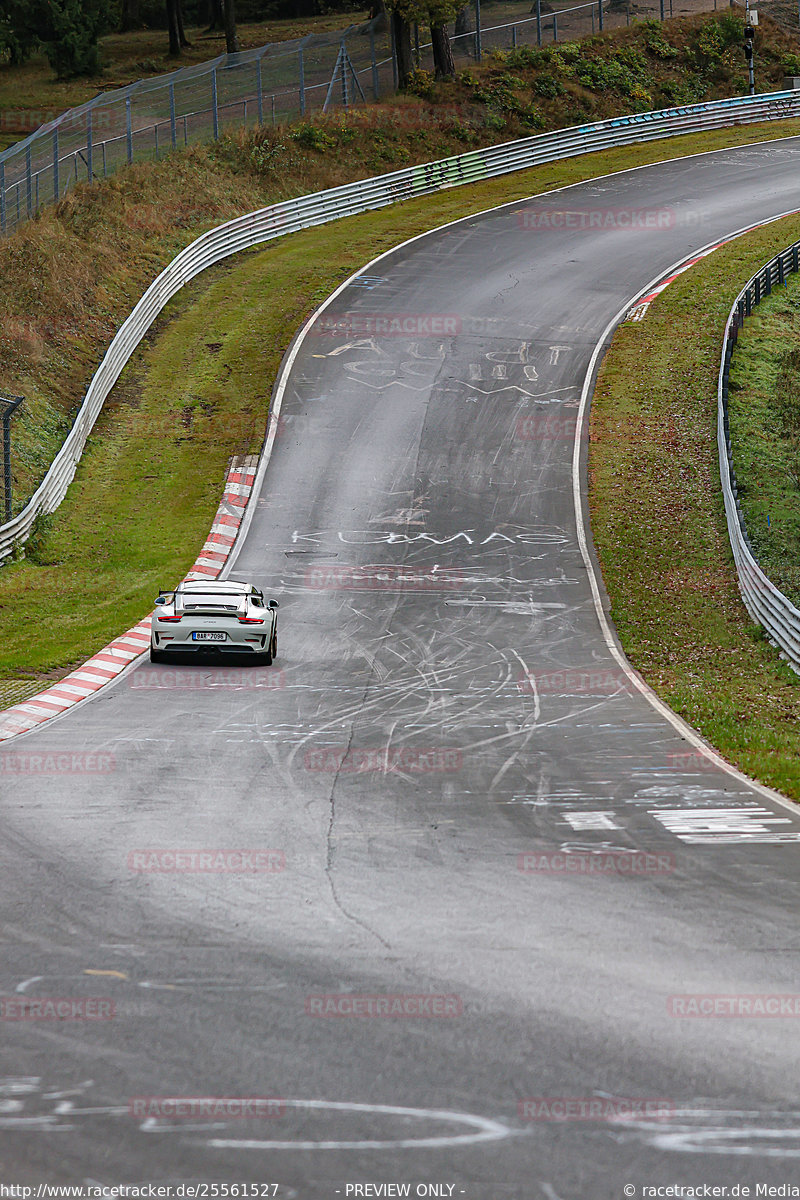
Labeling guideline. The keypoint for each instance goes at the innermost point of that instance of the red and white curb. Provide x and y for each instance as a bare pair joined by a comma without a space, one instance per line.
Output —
641,306
109,662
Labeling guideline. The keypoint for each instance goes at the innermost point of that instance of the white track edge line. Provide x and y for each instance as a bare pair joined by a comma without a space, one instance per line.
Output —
686,731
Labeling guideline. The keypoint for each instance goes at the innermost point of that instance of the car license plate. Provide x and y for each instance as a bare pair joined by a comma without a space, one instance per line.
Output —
208,636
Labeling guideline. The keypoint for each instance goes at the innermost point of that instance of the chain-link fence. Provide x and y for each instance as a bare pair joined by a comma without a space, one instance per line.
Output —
276,83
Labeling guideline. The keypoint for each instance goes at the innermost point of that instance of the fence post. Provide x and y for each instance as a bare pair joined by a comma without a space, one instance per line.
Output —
478,41
555,26
259,90
375,82
105,168
215,104
513,37
661,6
301,64
89,147
155,132
343,61
538,22
600,13
28,195
2,197
56,188
393,40
173,132
128,128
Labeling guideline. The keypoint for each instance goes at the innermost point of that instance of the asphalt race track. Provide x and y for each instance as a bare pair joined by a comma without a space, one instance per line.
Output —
444,723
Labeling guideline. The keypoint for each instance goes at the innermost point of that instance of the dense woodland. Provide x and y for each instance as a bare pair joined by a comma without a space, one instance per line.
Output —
68,31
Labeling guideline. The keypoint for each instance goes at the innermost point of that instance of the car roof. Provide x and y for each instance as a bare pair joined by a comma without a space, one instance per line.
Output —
214,585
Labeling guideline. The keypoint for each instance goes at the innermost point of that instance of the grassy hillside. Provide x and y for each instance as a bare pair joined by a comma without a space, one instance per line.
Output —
71,275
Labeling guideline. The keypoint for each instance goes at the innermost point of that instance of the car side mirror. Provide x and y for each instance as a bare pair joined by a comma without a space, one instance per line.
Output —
273,604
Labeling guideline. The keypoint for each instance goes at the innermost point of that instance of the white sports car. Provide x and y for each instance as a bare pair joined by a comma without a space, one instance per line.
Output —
214,615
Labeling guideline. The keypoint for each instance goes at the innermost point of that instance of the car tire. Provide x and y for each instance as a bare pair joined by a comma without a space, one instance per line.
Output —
157,656
264,659
274,646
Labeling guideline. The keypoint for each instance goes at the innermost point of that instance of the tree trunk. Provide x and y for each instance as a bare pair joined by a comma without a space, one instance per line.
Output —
402,48
173,27
216,16
231,38
129,16
443,63
463,24
181,33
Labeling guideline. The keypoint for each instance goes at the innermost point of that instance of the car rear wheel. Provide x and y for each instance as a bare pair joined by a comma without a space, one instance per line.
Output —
274,646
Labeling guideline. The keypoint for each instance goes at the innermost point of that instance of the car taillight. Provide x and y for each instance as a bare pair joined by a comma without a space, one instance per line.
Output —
251,620
177,617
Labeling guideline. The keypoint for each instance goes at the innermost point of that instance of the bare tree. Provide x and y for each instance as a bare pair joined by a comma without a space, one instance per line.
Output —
231,36
129,16
443,64
401,28
216,16
177,36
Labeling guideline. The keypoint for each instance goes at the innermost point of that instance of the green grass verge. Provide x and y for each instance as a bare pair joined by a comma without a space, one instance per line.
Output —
148,485
764,411
659,526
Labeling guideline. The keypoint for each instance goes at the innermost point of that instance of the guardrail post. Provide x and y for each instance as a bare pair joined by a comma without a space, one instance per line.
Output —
2,197
794,258
28,191
478,40
555,27
155,137
56,188
301,65
661,3
781,276
214,102
417,58
756,290
173,132
259,91
768,281
513,37
105,168
89,147
538,22
600,13
748,303
128,129
374,61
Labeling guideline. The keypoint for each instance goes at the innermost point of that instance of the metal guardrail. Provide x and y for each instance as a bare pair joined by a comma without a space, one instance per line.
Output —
766,604
279,82
291,216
